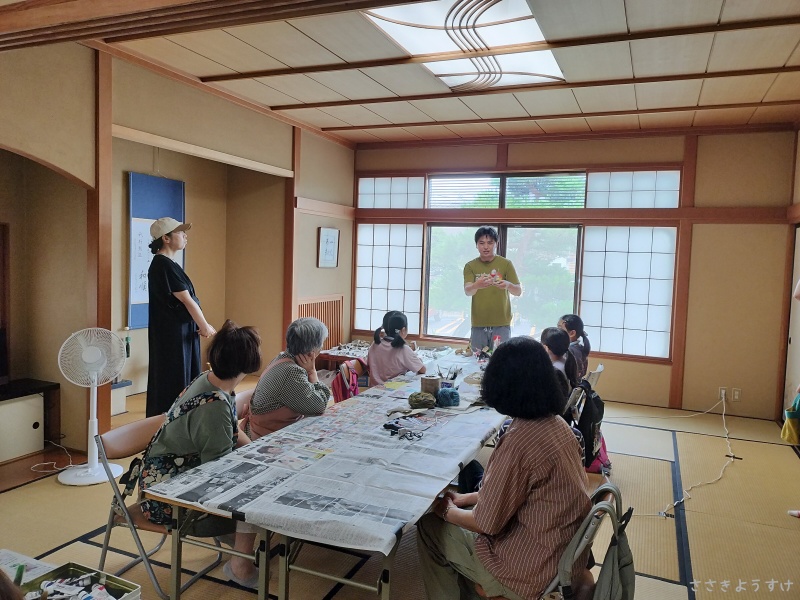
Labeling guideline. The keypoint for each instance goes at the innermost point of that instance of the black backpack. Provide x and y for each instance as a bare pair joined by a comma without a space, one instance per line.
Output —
589,422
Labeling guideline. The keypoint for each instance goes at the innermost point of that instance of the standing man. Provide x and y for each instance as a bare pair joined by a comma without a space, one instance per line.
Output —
488,280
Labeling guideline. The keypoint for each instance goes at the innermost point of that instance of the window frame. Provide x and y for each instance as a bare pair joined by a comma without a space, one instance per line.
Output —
533,217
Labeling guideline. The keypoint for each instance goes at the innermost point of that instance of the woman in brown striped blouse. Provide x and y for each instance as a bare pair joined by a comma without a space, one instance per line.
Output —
508,536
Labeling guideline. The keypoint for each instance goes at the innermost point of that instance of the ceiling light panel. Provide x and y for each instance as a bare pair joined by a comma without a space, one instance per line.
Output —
471,26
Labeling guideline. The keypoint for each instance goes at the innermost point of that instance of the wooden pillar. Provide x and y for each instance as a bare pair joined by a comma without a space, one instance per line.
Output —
98,215
290,206
683,257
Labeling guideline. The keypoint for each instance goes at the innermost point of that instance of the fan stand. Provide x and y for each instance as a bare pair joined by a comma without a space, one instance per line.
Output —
92,472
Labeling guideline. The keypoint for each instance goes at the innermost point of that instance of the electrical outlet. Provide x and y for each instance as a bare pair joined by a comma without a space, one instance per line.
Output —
737,395
723,393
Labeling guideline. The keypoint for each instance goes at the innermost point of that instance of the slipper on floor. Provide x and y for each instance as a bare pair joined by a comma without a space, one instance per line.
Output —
251,583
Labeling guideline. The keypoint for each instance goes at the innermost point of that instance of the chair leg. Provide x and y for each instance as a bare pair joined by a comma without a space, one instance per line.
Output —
144,558
106,539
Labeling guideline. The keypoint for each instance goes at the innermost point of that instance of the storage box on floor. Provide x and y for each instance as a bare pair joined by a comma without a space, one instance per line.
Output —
21,426
118,588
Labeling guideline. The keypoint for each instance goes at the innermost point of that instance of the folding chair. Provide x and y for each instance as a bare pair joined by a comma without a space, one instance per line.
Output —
606,500
120,443
593,376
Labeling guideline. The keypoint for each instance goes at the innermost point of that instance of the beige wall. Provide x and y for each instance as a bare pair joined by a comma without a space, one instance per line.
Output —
12,212
206,199
599,152
148,102
55,281
326,171
254,265
312,281
46,214
734,322
47,107
633,382
436,157
753,169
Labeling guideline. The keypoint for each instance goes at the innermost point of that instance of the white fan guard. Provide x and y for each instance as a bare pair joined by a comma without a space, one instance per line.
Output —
89,358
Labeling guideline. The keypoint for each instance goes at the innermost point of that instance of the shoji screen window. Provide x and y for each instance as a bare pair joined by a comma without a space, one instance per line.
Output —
633,189
627,287
388,274
391,192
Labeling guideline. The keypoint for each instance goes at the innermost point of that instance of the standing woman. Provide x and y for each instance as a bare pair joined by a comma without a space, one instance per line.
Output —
175,319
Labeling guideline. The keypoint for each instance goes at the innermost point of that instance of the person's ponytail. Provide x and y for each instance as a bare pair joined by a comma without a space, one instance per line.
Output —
397,340
378,335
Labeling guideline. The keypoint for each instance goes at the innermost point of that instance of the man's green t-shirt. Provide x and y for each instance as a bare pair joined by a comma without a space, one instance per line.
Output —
491,306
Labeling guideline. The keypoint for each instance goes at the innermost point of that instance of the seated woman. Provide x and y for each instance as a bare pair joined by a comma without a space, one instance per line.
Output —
390,356
201,426
533,497
289,388
556,342
573,325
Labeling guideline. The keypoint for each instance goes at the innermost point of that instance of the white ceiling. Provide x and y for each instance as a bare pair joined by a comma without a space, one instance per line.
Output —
654,56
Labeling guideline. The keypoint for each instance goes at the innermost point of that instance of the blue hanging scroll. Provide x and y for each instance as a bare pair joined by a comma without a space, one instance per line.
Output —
150,198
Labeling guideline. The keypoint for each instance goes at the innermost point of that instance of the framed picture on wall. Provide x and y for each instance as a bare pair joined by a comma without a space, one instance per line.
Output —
328,257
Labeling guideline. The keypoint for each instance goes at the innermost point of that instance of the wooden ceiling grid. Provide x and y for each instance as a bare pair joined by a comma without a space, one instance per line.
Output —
627,64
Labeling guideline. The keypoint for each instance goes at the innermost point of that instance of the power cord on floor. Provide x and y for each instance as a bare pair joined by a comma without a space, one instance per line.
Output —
55,468
676,417
665,514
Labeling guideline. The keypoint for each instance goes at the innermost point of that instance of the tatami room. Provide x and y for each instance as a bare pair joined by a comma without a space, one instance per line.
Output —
262,174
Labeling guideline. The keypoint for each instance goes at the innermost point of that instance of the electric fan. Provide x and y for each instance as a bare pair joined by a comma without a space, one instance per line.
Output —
89,358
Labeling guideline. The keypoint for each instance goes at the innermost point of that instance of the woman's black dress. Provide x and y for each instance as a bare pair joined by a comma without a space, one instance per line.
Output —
172,335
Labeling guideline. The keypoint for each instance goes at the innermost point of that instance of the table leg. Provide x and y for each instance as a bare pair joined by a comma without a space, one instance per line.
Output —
386,573
177,550
262,559
283,567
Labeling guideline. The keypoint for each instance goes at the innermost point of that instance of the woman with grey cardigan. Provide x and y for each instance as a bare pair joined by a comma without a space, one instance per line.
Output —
289,388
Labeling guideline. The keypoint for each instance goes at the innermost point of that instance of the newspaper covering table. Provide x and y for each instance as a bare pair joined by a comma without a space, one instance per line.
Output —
342,478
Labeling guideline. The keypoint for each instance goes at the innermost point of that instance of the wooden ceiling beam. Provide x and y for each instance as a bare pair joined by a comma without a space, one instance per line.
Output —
574,136
559,85
171,73
37,22
610,113
516,48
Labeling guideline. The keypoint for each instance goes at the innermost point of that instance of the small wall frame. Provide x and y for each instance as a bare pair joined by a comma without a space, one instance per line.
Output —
328,248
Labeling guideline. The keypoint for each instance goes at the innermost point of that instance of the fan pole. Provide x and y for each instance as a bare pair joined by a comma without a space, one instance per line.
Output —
92,473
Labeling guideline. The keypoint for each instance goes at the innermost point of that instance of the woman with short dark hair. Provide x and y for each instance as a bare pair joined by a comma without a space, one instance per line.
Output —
289,388
201,426
509,535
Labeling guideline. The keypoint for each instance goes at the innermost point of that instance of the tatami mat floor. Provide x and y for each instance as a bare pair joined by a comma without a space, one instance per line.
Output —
735,530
